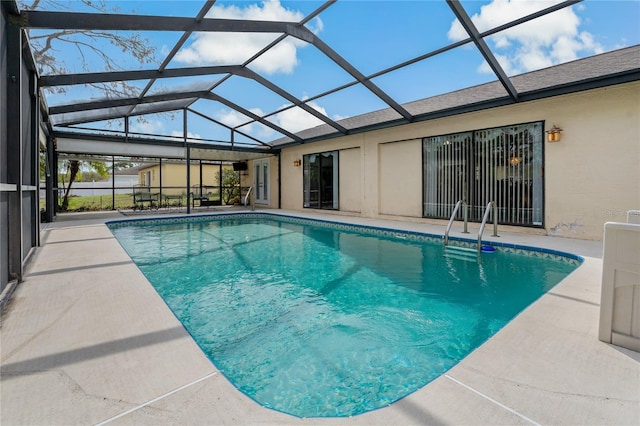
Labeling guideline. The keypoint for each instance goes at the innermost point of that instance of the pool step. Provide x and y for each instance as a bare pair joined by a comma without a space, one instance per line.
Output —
461,253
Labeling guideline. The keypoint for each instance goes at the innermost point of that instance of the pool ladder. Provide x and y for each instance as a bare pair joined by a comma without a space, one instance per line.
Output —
463,251
491,206
247,199
464,205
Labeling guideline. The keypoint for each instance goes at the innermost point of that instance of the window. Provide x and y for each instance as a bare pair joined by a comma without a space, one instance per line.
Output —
321,180
502,164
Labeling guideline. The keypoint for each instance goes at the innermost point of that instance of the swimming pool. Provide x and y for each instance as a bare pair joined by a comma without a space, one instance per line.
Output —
319,319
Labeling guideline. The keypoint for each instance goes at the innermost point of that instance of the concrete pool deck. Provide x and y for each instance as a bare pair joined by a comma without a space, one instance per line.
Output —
85,339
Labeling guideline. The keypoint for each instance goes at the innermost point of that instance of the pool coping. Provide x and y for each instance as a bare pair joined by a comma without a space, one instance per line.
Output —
86,340
375,230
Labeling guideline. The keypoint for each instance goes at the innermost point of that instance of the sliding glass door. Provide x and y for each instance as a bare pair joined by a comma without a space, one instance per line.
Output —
502,164
321,180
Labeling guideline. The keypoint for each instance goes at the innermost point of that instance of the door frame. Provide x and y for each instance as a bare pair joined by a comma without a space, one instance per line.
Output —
259,175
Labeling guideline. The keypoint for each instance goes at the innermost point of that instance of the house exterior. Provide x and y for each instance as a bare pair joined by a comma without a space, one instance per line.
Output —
418,171
172,176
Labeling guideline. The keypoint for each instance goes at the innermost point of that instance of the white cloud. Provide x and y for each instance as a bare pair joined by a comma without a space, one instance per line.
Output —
236,48
292,120
144,125
296,119
233,118
542,42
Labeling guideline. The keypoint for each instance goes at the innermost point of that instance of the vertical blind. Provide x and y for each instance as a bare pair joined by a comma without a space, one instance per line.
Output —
501,164
446,173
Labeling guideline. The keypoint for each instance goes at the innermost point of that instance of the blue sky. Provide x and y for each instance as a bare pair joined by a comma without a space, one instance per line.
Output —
371,35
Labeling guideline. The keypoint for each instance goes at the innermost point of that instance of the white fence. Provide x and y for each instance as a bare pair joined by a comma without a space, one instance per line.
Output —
123,185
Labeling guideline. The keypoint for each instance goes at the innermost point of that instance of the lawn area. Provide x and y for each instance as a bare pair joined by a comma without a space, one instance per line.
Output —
125,201
97,202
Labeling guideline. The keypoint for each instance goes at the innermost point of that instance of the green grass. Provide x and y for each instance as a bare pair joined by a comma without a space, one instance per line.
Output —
103,202
96,203
100,202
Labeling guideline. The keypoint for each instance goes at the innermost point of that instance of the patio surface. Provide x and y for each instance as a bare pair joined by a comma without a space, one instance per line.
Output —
85,339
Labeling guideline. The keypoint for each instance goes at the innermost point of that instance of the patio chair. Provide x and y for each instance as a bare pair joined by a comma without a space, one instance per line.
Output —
142,194
202,194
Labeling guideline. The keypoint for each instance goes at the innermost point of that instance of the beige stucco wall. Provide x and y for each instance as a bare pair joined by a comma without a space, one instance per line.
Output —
593,173
401,178
591,176
350,175
353,186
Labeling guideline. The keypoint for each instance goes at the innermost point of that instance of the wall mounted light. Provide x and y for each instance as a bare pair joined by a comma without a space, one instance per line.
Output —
514,161
297,163
553,134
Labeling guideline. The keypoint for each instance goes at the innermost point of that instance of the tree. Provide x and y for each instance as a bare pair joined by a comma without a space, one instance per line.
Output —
72,170
46,46
230,184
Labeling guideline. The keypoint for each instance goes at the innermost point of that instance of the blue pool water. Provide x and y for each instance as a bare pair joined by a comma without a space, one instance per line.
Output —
316,321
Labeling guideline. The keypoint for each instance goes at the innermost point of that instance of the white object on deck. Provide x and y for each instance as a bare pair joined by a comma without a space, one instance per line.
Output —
620,298
633,216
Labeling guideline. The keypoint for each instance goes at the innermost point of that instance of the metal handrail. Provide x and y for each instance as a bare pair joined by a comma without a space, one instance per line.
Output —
490,205
453,215
246,197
